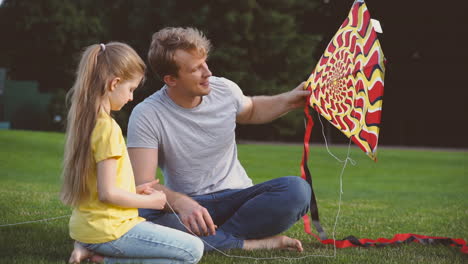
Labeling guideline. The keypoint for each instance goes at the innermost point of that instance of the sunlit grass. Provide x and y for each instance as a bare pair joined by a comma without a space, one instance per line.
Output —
406,191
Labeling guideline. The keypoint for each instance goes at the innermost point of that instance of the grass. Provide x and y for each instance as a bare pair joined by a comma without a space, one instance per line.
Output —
406,191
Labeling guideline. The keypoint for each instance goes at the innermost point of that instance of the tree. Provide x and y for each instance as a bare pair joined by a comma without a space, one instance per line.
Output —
41,40
265,46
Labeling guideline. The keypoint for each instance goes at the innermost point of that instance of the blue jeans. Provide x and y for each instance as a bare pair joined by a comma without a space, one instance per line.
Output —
260,211
150,243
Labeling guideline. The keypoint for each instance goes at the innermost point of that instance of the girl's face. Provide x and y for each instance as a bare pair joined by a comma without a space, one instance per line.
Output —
121,92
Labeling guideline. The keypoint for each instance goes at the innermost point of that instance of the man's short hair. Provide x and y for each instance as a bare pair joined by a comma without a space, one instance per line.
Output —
166,41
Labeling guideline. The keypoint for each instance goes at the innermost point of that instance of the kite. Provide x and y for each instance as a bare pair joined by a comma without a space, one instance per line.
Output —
347,89
347,83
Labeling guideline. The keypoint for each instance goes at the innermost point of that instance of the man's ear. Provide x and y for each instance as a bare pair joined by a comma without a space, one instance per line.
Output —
170,80
113,84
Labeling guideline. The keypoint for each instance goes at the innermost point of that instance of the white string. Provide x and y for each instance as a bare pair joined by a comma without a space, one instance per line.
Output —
245,257
36,221
345,162
353,162
340,195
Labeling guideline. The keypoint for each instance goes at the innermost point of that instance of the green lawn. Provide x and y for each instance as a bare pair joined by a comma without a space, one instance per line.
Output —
406,191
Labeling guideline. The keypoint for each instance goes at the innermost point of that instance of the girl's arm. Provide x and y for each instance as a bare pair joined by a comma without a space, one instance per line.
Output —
109,193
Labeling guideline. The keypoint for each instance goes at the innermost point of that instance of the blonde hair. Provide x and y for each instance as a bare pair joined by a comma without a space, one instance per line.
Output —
99,64
167,41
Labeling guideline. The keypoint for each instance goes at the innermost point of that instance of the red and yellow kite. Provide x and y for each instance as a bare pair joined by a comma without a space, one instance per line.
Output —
347,83
346,88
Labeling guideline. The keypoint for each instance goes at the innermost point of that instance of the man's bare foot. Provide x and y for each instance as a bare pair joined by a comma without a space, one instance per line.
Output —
274,242
80,253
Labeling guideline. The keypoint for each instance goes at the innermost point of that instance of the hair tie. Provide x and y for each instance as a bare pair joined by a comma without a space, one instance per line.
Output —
103,47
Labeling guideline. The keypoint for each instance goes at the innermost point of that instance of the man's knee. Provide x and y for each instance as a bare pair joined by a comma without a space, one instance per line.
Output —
293,203
298,194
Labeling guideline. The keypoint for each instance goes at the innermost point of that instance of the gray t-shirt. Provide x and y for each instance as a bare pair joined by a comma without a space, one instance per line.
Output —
197,152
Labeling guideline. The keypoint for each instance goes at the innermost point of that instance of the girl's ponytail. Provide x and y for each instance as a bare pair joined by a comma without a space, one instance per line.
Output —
80,123
99,64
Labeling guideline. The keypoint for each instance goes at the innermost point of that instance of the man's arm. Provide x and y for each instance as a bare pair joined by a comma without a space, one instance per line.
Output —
264,109
194,216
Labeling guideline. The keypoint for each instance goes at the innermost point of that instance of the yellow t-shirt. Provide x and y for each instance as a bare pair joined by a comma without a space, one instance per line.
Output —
93,221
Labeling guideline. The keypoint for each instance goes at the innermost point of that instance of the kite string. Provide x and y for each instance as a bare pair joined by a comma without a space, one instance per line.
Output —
36,221
353,162
247,257
345,162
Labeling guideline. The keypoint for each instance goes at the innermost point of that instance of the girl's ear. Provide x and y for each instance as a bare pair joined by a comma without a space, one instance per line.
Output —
170,80
113,83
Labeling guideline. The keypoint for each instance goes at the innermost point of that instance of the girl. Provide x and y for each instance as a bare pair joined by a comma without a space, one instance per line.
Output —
98,177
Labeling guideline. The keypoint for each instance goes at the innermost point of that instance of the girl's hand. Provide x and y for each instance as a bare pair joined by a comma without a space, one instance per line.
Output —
146,188
157,199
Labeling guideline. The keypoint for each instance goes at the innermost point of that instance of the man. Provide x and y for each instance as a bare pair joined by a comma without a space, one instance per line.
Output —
188,129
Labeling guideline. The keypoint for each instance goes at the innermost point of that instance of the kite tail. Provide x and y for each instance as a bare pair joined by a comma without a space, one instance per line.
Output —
305,174
352,241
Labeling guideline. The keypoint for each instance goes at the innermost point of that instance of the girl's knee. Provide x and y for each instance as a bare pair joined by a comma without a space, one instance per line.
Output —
196,250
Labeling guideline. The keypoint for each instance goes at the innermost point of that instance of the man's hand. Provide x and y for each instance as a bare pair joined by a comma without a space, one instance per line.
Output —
297,97
195,217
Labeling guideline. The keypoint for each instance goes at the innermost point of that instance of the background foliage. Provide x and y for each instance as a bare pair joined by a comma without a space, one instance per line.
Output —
265,46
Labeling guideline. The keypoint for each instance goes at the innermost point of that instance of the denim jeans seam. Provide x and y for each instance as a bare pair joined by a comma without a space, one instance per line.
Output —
119,251
146,239
89,246
233,198
213,199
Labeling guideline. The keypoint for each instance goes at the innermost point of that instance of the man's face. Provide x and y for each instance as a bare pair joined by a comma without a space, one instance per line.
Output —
193,75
